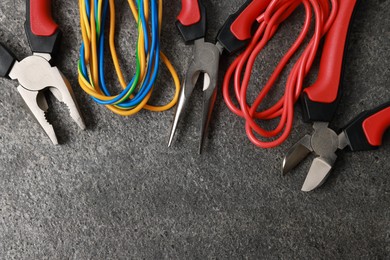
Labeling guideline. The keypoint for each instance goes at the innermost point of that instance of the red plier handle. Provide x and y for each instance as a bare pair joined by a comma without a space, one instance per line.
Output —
320,101
191,20
42,32
366,131
190,13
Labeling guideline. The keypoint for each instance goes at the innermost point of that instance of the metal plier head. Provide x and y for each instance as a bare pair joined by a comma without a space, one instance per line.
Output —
35,73
205,61
320,102
233,36
324,142
363,133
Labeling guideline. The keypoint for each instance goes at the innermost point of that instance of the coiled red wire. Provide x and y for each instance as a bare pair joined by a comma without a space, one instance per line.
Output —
325,12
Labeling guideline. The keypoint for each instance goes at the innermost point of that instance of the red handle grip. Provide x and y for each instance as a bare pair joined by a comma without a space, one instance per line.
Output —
366,131
242,26
190,12
41,21
326,88
376,125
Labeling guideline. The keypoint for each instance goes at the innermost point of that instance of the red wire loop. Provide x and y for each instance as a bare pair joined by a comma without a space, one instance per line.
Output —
278,11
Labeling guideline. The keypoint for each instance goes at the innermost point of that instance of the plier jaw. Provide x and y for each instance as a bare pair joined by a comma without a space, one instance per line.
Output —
324,143
35,74
363,133
205,61
233,35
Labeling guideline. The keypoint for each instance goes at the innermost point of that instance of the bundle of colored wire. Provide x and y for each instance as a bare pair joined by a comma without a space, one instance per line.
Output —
325,12
136,93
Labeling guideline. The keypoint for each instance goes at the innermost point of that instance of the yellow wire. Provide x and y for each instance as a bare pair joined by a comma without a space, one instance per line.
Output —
88,31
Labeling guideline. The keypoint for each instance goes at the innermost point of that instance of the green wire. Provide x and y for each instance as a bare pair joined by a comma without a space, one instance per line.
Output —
138,68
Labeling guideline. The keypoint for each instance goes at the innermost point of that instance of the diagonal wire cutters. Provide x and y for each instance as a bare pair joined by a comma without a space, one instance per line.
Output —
363,133
35,73
320,102
233,36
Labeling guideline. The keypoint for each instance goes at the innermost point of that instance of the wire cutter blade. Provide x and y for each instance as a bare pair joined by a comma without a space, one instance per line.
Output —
35,74
324,142
296,154
318,173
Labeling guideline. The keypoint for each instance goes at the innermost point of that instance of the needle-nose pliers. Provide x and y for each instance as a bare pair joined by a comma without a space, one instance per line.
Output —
233,35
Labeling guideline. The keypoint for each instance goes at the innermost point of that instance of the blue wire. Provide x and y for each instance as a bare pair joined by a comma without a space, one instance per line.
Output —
82,49
116,99
101,51
152,67
101,68
155,51
143,22
96,11
82,62
88,8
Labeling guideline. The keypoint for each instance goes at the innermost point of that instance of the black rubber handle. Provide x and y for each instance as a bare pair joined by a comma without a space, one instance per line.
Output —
365,132
42,32
236,33
7,60
189,29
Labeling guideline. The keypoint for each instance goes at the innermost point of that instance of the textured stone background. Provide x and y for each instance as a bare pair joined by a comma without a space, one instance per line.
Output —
116,190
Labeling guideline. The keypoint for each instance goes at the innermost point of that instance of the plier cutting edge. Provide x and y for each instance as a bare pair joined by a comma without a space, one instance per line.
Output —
233,35
320,102
35,73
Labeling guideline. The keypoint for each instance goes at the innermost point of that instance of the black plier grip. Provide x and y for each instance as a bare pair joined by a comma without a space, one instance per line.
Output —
233,35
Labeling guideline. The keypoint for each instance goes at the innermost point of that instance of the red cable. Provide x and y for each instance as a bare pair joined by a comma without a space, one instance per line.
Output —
277,12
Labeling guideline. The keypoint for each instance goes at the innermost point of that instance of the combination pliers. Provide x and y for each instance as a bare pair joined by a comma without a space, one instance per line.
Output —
35,73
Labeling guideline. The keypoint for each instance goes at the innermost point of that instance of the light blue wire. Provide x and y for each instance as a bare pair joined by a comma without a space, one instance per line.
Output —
152,67
101,69
82,62
155,52
88,8
82,48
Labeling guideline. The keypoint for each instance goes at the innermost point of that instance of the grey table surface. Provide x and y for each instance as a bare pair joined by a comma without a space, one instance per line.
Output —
115,191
